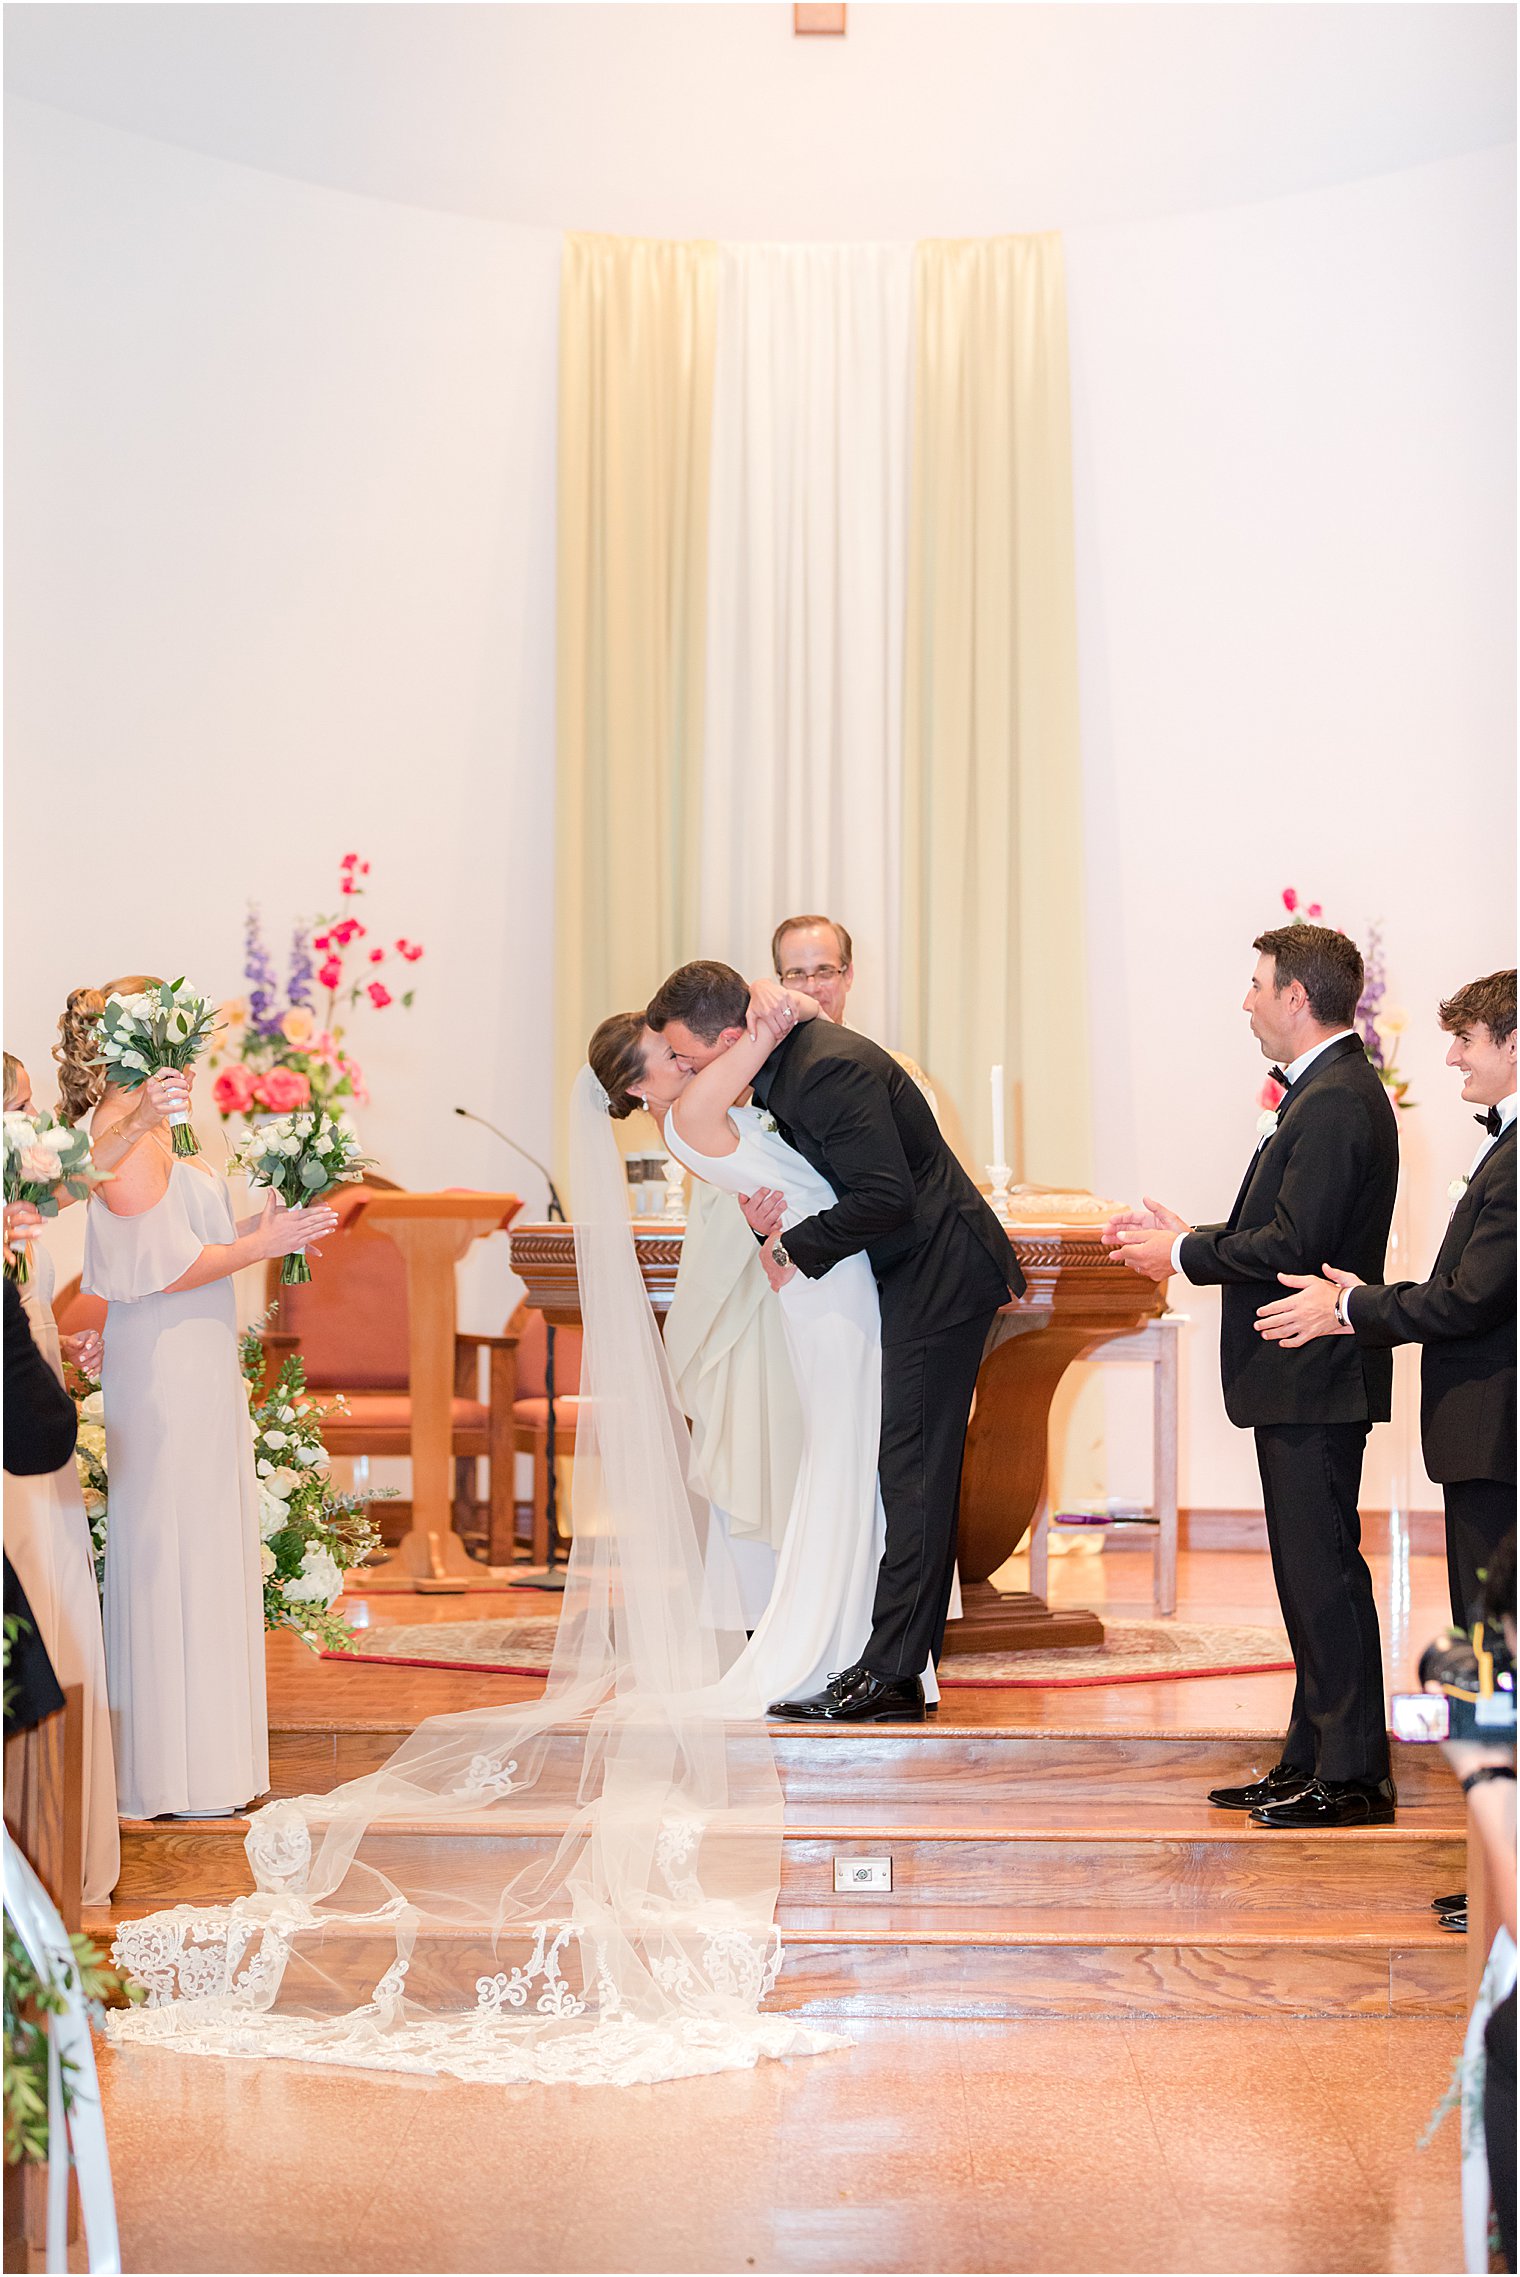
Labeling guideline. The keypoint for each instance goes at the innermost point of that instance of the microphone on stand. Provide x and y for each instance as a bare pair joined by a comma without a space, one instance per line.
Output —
556,1206
552,1578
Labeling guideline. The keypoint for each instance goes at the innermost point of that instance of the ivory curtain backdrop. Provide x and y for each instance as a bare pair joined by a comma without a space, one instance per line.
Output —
817,645
635,413
994,957
806,563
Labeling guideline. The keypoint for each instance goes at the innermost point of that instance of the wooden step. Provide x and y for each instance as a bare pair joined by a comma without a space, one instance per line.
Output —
876,1765
1006,1962
1058,1862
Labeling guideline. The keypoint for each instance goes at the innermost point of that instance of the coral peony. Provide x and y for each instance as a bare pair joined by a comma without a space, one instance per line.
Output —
282,1089
378,994
298,1027
232,1091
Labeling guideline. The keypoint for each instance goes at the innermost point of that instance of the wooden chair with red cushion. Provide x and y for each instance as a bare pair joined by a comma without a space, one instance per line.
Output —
530,1410
350,1325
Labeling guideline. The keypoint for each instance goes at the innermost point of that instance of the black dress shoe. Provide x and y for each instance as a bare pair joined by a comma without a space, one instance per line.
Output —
1455,1903
1280,1782
858,1697
1330,1803
1456,1921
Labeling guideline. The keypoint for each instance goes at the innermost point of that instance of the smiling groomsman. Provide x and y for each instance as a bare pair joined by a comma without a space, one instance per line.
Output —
1463,1316
1321,1184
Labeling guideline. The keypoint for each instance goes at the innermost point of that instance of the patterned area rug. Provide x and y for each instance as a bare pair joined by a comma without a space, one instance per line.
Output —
1133,1652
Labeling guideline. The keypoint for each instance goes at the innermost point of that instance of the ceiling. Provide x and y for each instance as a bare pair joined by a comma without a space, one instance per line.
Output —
930,118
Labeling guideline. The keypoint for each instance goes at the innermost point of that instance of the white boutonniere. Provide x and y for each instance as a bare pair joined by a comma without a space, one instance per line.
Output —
767,1121
1457,1188
1266,1123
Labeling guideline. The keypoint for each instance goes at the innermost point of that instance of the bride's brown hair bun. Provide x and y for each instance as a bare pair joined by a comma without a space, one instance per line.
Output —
616,1053
81,1070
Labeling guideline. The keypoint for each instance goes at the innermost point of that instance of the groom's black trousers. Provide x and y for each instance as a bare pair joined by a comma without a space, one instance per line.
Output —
926,1389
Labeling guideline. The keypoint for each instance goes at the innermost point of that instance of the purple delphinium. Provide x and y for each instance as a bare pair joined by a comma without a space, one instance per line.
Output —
263,981
298,987
1374,989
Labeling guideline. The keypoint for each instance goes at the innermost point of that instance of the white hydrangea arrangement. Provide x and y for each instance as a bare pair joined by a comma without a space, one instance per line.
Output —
300,1157
141,1034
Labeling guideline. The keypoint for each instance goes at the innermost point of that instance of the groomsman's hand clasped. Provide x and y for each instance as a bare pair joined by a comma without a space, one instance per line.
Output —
1291,1321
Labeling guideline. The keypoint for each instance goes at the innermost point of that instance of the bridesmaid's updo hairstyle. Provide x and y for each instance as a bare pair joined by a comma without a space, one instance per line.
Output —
81,1072
616,1053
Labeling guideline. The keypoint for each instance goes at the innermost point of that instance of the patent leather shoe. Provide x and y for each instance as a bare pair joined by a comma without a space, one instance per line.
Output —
1278,1784
856,1696
1456,1902
1456,1921
1327,1803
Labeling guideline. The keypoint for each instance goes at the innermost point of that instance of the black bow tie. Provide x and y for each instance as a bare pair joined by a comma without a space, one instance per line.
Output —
1492,1121
1279,1075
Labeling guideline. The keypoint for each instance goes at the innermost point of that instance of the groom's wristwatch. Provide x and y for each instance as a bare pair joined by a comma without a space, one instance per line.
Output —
780,1256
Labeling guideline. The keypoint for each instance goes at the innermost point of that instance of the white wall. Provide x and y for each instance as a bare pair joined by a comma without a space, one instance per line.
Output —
280,512
280,543
1294,443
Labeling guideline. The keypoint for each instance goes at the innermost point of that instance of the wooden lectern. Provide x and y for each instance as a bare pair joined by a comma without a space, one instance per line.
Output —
433,1231
1076,1298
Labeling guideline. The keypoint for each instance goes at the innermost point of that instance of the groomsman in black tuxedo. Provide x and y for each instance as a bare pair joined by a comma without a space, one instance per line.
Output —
1321,1184
1464,1315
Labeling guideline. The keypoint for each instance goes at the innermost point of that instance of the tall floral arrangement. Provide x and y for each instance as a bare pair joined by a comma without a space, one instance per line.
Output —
1379,1026
286,1037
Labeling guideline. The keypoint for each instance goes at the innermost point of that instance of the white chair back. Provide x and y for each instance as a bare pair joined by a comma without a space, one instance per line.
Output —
80,2129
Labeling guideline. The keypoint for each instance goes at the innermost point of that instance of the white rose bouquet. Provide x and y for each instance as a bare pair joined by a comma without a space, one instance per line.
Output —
44,1158
164,1027
300,1157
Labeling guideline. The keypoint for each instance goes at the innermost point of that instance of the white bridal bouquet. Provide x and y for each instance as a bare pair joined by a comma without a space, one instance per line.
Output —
300,1157
44,1158
167,1026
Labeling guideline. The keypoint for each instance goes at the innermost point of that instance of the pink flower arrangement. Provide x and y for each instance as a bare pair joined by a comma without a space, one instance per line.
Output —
282,1089
233,1089
277,1059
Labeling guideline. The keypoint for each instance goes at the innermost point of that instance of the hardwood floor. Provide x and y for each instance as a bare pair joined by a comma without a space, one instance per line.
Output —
1098,2025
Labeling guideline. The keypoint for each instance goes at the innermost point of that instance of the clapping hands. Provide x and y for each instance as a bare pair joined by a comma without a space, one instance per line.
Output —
1143,1239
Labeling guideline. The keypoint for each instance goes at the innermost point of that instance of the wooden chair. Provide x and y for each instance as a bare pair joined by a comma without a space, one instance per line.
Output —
349,1323
530,1410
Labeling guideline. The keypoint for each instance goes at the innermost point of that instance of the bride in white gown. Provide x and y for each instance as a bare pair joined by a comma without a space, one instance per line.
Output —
819,1614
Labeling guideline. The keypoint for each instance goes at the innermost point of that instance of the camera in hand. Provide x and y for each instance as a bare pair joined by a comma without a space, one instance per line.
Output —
1474,1695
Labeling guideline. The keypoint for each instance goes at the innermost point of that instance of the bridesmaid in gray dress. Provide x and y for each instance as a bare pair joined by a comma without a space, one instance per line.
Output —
184,1619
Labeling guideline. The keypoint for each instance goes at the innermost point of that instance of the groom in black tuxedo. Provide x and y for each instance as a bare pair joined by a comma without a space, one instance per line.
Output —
1320,1186
944,1268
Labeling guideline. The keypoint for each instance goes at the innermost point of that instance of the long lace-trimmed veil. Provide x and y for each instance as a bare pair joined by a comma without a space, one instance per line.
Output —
578,1888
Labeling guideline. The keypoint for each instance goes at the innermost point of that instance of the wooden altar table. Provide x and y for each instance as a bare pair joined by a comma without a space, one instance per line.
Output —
1077,1298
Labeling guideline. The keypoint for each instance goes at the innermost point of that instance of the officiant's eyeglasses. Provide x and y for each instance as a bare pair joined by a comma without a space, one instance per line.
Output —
796,976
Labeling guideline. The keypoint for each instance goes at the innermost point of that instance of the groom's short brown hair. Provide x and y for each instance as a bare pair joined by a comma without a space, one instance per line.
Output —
707,998
1328,965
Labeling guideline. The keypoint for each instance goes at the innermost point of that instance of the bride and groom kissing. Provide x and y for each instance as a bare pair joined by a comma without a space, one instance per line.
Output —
889,1269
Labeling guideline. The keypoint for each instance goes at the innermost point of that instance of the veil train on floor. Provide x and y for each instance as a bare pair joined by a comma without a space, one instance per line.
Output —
580,1888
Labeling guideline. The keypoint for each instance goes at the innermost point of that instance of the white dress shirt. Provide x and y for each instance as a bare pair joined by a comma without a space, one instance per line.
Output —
1292,1071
